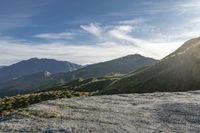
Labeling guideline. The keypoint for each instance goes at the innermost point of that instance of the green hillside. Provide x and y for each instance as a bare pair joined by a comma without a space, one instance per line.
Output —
180,71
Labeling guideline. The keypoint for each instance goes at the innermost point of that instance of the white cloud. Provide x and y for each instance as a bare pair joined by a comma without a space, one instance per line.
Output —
121,33
55,36
125,28
93,28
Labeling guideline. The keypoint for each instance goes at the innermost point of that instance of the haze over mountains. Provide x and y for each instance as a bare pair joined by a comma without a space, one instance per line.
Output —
35,65
44,80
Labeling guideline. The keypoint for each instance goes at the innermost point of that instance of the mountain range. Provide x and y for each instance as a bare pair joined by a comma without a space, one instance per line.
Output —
35,65
42,80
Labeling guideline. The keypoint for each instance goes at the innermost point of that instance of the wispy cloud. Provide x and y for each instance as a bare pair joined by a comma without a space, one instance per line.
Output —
112,33
56,36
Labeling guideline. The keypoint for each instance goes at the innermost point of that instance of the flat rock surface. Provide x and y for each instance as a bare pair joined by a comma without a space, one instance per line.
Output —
144,113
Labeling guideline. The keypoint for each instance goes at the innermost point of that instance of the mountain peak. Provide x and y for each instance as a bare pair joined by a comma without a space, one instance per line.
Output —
31,60
40,59
134,55
35,58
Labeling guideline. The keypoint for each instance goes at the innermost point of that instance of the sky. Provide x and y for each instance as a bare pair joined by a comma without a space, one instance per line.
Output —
91,31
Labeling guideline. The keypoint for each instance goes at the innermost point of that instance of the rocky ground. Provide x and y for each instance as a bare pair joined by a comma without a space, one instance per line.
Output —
156,112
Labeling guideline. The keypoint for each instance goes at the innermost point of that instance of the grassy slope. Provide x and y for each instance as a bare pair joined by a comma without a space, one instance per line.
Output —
179,71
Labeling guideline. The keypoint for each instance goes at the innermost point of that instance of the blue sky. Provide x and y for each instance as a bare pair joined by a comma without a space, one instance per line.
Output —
90,31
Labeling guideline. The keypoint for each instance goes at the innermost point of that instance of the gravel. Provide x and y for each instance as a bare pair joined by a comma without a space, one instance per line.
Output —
128,113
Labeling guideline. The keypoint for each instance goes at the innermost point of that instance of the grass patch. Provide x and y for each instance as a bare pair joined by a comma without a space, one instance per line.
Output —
10,105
